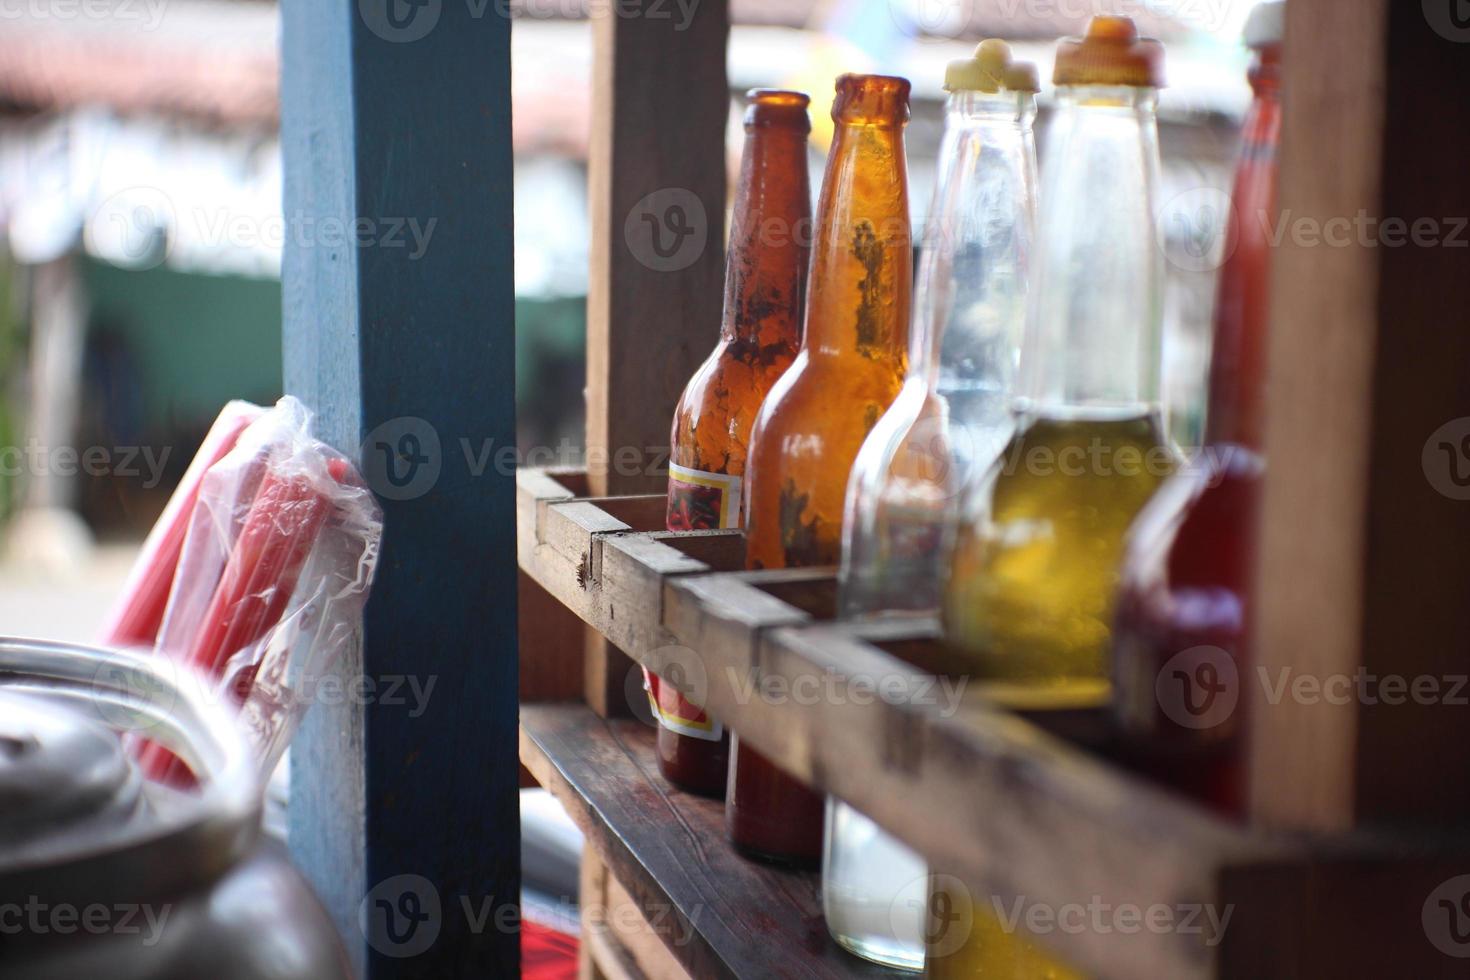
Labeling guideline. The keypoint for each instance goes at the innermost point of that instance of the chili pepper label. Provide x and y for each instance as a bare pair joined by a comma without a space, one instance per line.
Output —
700,500
676,714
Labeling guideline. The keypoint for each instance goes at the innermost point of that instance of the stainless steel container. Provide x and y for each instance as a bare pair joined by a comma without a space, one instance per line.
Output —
103,874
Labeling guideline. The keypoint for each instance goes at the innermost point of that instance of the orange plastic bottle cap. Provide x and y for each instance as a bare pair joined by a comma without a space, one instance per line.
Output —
1111,53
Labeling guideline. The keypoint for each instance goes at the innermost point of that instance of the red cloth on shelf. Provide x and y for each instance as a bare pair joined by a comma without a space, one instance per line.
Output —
547,954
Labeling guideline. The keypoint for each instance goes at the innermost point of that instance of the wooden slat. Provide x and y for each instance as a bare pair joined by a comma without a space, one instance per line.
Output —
574,529
1348,916
617,942
1363,562
1037,806
660,102
929,769
550,639
597,955
603,958
557,531
719,914
650,323
563,543
387,127
646,943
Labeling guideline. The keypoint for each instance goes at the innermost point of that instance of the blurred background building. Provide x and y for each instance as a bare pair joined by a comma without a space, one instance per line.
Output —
141,228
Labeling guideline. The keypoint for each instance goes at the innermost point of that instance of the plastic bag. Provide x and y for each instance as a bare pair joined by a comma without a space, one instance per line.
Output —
275,568
138,614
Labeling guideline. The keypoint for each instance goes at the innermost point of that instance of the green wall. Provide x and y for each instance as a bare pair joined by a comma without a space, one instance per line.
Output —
196,340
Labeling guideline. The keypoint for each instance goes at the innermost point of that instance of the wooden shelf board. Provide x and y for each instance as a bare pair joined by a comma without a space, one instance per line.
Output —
719,913
1033,806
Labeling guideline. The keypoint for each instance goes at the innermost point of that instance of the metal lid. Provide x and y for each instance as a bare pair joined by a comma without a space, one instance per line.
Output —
61,776
77,821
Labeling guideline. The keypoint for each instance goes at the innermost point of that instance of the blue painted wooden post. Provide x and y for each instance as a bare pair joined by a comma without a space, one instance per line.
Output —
399,332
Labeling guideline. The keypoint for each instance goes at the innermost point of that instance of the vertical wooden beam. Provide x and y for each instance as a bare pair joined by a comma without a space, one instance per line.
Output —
656,185
399,333
1364,565
656,182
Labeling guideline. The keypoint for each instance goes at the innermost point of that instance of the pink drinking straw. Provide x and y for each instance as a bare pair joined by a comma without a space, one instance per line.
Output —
137,615
259,578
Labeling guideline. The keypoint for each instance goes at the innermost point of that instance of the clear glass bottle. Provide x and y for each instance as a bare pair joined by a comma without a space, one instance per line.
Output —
951,417
1036,557
1030,590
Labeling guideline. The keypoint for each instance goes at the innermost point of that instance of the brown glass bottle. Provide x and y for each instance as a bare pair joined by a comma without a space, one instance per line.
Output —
765,289
853,358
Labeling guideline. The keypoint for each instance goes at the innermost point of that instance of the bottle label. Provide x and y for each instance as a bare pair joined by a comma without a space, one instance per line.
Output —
699,501
676,714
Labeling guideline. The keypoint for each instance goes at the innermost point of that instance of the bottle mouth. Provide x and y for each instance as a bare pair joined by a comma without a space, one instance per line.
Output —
778,107
875,100
1108,96
1003,103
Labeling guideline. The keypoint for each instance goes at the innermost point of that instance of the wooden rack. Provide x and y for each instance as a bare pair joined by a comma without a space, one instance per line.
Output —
1018,806
1363,564
1362,567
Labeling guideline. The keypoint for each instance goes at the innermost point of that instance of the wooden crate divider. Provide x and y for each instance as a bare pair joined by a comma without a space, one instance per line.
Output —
1030,807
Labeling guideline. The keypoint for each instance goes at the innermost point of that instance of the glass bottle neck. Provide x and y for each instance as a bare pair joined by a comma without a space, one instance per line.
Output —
770,234
1237,361
969,307
1265,72
862,258
1092,346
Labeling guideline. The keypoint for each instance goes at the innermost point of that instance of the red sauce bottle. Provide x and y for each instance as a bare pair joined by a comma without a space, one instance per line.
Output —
1181,665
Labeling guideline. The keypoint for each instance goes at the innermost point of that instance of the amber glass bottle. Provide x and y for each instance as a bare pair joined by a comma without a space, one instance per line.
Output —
765,289
1179,638
852,363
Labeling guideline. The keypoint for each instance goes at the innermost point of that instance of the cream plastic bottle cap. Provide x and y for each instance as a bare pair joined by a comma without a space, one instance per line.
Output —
990,69
1266,24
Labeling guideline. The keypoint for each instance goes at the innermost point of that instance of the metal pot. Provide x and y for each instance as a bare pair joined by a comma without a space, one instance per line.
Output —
103,873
